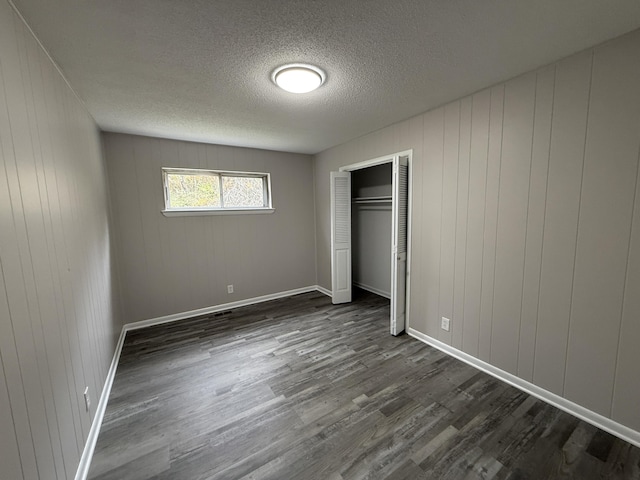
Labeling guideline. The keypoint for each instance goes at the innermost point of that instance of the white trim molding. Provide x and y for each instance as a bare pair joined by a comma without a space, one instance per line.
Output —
219,211
324,291
217,308
375,290
625,433
96,424
92,438
376,161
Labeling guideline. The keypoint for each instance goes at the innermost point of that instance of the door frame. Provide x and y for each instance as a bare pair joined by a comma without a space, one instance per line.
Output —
380,161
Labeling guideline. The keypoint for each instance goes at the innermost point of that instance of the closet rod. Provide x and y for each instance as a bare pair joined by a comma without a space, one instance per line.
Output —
384,199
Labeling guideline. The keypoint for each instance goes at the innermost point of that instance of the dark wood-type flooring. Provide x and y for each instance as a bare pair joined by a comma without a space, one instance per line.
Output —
298,388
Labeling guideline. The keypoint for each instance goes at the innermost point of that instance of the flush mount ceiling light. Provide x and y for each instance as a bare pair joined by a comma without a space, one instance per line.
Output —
298,78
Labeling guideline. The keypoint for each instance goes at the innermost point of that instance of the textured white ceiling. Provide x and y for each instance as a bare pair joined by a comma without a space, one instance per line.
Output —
200,69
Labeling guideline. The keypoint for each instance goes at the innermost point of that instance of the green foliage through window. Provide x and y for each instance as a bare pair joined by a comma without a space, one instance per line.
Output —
194,190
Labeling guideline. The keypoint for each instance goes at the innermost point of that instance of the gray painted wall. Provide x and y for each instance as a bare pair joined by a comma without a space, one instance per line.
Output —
177,264
371,229
58,316
526,224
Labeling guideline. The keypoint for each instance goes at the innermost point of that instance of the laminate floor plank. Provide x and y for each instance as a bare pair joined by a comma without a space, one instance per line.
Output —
298,388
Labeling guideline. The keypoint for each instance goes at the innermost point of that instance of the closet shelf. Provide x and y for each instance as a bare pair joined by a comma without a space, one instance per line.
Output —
382,199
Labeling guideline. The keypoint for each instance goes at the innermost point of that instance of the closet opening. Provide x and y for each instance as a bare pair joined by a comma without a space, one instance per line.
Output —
371,219
369,232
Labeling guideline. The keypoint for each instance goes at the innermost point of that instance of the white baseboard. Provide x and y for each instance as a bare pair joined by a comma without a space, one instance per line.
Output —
375,290
92,438
326,291
625,433
90,445
218,308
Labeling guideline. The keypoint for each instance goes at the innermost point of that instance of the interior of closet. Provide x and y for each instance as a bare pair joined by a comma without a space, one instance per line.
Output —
371,224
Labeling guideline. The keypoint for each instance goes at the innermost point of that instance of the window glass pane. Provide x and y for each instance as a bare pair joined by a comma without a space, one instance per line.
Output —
196,191
243,192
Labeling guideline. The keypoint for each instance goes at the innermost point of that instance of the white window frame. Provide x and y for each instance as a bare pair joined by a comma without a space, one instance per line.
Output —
222,210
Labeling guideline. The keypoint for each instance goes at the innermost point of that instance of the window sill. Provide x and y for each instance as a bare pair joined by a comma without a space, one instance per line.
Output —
225,211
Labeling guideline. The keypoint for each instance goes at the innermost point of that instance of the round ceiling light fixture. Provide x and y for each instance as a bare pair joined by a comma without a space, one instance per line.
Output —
298,77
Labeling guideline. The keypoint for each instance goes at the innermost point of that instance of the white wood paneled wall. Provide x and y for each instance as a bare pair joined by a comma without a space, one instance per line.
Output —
525,228
57,318
176,264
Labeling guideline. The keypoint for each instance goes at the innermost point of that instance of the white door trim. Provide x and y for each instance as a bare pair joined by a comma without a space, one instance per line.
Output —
375,161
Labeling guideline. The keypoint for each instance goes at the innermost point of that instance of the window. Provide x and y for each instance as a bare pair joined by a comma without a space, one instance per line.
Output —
211,192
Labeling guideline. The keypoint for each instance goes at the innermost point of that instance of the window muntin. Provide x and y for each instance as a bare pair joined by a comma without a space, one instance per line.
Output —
193,190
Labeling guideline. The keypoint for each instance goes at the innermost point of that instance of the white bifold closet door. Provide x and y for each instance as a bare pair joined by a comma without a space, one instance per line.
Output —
400,187
341,237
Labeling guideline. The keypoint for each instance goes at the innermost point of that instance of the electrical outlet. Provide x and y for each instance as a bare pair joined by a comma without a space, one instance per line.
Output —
87,398
229,288
446,323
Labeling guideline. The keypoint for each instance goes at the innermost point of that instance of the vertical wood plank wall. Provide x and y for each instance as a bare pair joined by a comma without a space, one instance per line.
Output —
58,313
525,224
177,264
